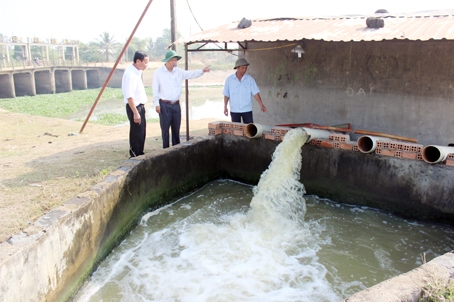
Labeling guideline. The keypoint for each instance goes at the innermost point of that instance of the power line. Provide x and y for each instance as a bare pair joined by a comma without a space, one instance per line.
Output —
195,19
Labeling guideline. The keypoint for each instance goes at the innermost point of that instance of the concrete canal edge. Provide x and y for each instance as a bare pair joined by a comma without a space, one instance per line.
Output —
50,260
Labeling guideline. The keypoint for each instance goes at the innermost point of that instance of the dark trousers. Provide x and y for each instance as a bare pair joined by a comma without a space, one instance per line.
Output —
170,117
137,132
247,117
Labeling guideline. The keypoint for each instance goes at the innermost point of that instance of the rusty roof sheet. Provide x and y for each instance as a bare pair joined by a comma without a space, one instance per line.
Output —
346,28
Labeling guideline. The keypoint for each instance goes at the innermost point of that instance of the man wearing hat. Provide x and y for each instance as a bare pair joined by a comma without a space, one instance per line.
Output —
167,85
239,89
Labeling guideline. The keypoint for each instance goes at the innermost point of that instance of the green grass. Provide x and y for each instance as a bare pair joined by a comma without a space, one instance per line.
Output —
63,105
58,105
438,291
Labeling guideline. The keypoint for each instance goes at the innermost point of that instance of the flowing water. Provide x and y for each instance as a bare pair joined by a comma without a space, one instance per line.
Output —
233,242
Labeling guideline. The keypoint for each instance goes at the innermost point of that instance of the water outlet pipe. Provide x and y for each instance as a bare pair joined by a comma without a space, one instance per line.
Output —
256,130
316,133
368,143
433,154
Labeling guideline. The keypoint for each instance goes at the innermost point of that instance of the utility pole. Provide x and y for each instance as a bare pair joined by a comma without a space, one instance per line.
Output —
173,24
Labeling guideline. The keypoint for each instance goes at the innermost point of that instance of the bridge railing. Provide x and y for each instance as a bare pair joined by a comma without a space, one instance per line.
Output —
31,64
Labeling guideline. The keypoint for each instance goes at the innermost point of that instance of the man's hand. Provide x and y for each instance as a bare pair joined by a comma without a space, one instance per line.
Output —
158,109
137,119
206,69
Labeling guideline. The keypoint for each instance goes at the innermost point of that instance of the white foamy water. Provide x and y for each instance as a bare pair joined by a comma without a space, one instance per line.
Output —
222,250
233,242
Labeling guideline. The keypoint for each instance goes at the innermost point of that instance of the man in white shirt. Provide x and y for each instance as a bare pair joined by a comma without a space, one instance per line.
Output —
167,85
135,99
239,89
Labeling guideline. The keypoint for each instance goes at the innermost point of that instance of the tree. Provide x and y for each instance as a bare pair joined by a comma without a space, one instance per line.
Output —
160,47
149,46
107,45
90,52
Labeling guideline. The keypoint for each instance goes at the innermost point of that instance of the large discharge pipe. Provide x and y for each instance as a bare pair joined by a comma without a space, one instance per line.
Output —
368,143
433,154
256,130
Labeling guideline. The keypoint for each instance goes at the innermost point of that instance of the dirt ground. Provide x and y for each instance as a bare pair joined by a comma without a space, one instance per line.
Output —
46,161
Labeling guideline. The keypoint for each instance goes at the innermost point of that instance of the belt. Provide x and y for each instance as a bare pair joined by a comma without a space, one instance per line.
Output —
170,102
140,105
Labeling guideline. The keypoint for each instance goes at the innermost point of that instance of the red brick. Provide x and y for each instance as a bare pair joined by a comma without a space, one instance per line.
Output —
314,142
280,130
327,143
339,137
385,152
214,131
238,126
348,145
393,145
215,125
238,132
450,162
450,156
412,147
227,131
227,125
270,136
410,155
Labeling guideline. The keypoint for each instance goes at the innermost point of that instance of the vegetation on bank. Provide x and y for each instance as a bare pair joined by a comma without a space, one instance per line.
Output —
64,105
438,290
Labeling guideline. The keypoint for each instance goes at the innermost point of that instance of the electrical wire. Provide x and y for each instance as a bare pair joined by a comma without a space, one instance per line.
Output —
195,19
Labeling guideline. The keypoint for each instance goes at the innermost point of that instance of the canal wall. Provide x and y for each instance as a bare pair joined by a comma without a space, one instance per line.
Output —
50,260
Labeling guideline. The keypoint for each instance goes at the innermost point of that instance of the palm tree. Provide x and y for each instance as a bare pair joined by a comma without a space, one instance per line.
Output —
107,44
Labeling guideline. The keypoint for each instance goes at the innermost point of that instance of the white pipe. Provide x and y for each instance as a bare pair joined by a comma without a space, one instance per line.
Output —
256,130
434,154
316,133
368,143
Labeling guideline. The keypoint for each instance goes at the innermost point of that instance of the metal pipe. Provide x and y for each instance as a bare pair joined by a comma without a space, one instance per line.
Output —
115,66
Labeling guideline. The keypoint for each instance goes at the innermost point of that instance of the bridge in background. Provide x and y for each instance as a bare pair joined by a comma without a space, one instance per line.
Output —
30,81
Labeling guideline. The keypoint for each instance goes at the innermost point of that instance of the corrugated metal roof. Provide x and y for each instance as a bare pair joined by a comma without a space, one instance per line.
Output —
346,28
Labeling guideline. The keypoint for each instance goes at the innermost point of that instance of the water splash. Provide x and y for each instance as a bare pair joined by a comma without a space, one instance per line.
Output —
278,204
222,252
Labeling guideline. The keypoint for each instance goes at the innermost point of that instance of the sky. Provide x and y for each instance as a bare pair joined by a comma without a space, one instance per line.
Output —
85,20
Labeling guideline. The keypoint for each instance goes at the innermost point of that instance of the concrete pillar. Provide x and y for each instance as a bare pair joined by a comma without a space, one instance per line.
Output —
24,84
93,79
79,79
44,82
62,80
7,87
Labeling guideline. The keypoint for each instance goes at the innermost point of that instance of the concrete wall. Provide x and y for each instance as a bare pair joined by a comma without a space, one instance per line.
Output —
115,80
404,88
49,260
45,80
